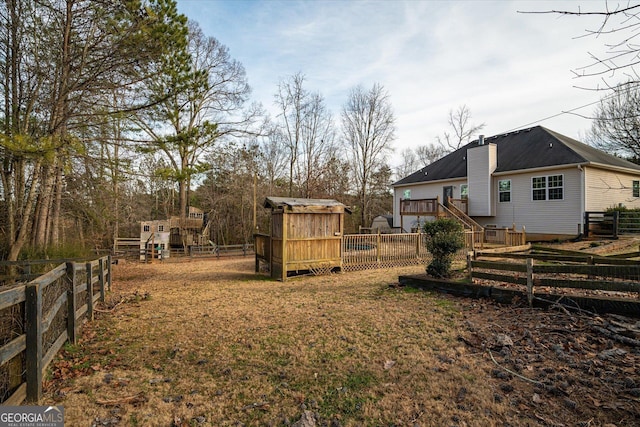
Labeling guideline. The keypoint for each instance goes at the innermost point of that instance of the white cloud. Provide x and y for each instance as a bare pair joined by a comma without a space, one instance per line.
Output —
509,68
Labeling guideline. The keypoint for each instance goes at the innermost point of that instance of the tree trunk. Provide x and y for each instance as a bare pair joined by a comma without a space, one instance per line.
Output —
42,216
57,206
19,238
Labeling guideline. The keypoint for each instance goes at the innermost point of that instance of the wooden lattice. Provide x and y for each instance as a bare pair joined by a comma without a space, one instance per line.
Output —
321,270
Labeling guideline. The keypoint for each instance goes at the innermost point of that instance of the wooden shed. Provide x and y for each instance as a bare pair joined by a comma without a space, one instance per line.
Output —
306,235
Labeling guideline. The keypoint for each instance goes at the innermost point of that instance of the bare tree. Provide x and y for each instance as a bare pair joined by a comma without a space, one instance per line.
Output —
291,101
418,157
368,126
306,126
273,159
409,163
619,30
616,125
463,129
429,153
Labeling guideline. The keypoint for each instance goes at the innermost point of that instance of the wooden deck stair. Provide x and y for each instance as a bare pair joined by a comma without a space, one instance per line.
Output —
468,222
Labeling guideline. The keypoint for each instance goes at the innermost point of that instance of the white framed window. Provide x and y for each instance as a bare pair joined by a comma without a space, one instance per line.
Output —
636,188
539,187
504,190
549,187
464,191
555,184
406,194
146,228
160,228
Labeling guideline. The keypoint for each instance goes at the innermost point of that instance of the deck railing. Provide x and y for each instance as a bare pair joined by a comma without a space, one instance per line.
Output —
505,236
370,251
420,207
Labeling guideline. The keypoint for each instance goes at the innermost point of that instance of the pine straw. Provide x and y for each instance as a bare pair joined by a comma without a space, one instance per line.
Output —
209,342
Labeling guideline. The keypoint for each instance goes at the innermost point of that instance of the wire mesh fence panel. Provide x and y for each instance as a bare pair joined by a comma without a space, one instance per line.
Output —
35,322
12,371
54,311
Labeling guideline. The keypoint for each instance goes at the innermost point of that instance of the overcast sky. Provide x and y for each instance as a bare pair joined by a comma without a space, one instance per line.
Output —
512,70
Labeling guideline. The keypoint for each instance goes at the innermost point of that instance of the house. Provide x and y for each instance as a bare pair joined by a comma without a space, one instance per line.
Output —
154,237
534,177
161,235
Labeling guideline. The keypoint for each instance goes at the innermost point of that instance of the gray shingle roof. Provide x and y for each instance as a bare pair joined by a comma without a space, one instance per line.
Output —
531,148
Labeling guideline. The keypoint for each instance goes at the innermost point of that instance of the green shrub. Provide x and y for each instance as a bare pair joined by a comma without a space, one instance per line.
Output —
444,238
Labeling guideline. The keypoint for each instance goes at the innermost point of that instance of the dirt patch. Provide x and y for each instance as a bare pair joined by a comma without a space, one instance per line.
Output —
560,368
210,343
600,246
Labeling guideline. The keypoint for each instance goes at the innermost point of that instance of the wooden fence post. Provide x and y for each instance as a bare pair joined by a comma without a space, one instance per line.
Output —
586,224
101,277
71,303
378,247
33,309
89,291
530,281
590,261
109,270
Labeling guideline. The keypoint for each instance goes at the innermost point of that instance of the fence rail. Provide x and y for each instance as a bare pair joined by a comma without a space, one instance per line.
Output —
611,223
37,318
611,278
27,270
218,251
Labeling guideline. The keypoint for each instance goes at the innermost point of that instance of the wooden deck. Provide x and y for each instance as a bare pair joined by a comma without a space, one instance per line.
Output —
475,234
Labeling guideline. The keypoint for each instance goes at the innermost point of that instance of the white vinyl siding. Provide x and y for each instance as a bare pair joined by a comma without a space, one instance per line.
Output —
481,163
540,216
606,189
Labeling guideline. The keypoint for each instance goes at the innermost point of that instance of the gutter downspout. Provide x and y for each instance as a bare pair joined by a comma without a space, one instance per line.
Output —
583,179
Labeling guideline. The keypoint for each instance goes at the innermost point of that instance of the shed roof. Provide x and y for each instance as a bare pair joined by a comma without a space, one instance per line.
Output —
293,202
382,218
530,148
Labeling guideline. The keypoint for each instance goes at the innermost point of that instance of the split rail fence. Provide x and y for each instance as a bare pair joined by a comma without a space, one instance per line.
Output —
39,317
220,250
615,276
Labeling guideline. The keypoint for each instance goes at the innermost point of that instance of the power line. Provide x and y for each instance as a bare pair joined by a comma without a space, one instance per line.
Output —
561,113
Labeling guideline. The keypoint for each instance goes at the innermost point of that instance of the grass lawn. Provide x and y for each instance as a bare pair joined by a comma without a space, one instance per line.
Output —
211,343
